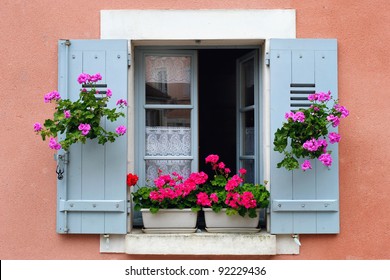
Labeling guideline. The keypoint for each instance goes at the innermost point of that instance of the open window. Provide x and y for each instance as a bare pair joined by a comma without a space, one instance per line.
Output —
205,102
92,195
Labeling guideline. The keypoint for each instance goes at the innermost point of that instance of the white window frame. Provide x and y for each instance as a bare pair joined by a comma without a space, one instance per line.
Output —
194,28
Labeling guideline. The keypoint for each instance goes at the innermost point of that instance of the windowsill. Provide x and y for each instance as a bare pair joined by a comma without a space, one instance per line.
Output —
199,243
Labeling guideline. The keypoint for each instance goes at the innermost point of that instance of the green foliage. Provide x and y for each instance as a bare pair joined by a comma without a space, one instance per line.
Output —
313,125
90,108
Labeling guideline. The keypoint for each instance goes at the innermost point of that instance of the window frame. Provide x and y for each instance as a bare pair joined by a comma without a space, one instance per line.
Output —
141,107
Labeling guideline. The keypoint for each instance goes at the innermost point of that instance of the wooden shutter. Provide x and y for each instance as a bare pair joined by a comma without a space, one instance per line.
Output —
302,202
92,196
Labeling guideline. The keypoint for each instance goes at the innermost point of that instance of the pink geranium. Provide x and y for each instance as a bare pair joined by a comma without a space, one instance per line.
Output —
306,165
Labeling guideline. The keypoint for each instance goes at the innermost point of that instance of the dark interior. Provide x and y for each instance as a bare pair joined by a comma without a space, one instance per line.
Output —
217,105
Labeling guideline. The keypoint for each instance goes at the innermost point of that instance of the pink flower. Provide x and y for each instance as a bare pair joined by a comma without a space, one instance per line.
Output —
334,137
83,78
311,145
203,199
312,97
322,143
37,127
227,170
66,114
306,165
159,182
299,117
121,102
322,96
344,111
242,171
289,115
198,178
212,159
221,165
84,128
334,120
109,92
247,200
53,144
233,183
326,159
95,78
120,130
52,95
296,117
214,197
232,199
155,195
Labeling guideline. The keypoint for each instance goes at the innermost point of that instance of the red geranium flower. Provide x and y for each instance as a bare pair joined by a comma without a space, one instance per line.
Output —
132,179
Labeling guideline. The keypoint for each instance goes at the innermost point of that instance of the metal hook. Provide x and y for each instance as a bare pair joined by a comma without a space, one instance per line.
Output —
60,172
296,239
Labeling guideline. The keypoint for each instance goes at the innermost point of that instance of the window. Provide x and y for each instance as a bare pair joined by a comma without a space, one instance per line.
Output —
207,101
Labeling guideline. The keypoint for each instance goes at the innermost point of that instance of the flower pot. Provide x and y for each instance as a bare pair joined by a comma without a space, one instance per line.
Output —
220,222
169,221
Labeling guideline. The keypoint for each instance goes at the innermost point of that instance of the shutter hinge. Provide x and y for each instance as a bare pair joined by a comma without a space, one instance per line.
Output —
267,59
129,59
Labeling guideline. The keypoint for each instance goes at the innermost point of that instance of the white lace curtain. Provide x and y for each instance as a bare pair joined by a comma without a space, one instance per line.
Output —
167,141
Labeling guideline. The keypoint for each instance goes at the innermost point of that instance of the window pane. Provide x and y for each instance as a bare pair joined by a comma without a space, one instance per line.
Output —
183,167
168,79
168,117
249,165
247,83
248,133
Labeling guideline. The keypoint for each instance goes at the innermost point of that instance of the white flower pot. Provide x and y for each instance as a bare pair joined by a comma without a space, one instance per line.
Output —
220,222
169,220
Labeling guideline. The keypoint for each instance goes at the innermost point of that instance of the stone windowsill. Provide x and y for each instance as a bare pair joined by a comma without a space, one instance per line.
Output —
199,243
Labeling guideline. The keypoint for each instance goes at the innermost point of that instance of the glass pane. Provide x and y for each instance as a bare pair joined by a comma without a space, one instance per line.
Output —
168,117
247,83
168,79
183,167
249,165
248,133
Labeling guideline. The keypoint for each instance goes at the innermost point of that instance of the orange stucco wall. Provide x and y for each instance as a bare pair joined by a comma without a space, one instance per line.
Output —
29,31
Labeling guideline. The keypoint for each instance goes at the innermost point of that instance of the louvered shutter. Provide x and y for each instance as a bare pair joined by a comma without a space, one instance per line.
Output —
92,196
302,202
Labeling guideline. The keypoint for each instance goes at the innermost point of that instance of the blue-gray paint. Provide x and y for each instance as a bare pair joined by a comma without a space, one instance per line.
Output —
95,175
302,64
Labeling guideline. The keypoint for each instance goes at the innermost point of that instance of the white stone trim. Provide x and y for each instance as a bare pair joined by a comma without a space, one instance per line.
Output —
197,24
200,243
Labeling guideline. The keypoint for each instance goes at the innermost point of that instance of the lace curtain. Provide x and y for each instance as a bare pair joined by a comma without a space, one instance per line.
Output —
167,141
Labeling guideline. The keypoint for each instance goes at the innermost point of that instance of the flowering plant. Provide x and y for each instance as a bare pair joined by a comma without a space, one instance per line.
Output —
305,133
80,119
231,193
170,191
